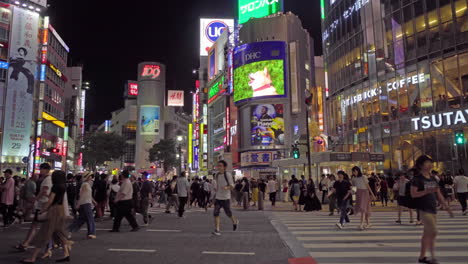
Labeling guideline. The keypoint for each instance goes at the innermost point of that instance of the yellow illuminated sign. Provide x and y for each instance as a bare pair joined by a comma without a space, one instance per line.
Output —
54,120
57,71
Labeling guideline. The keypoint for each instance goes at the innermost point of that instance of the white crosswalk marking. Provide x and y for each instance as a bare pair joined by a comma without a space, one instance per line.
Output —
385,242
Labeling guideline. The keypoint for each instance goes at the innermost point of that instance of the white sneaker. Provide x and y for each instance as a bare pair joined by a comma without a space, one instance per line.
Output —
465,212
216,233
339,225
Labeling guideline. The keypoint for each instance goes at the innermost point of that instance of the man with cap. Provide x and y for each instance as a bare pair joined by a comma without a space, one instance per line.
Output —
124,204
8,195
43,188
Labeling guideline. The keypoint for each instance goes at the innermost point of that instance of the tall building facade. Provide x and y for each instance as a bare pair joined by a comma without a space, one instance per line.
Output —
273,75
398,81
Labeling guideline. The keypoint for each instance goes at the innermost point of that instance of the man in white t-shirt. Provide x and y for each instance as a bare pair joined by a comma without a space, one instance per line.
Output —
44,186
223,184
460,184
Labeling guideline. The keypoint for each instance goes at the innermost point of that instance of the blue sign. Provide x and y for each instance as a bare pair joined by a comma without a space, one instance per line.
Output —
43,73
4,65
214,30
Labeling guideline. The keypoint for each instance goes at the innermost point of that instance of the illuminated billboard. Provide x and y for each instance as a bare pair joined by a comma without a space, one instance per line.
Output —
23,52
267,125
149,120
259,70
175,98
258,8
211,30
132,89
215,90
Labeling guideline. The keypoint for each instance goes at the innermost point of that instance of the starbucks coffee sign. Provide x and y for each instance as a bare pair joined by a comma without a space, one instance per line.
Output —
446,119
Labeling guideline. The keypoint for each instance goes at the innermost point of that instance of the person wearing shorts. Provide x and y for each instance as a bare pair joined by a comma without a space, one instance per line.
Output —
425,190
223,184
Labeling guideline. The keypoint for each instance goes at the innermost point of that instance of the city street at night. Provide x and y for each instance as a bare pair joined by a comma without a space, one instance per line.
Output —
234,131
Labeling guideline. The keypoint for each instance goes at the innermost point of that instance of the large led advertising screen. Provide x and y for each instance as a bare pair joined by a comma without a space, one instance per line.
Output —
267,125
258,8
259,70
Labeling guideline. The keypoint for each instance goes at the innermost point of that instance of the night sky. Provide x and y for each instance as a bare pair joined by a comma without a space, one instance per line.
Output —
110,39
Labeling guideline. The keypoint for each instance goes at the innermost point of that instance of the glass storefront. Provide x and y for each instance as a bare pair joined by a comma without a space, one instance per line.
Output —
392,64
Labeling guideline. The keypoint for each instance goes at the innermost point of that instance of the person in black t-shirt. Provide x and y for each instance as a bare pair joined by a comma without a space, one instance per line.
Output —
146,192
425,192
342,190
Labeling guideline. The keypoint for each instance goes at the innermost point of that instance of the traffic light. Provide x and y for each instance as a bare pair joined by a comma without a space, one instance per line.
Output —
459,137
295,152
53,150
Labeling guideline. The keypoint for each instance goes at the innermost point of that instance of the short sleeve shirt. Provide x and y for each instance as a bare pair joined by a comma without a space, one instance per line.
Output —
221,193
360,182
341,189
126,189
462,184
428,202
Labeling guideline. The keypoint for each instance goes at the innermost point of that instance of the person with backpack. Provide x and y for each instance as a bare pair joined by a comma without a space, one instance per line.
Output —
136,197
223,183
460,184
402,189
425,191
171,192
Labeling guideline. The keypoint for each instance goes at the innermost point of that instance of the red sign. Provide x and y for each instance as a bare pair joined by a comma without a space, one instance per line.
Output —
152,71
59,146
133,89
175,98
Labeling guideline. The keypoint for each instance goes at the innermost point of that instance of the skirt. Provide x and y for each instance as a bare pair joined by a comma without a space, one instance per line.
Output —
254,195
53,227
363,204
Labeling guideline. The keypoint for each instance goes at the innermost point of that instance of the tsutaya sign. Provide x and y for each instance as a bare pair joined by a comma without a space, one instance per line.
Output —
391,86
446,119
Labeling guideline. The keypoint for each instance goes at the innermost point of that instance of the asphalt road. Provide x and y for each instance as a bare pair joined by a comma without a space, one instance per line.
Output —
169,239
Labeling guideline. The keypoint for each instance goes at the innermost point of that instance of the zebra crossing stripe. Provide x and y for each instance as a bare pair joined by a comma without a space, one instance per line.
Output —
381,254
374,232
367,238
412,245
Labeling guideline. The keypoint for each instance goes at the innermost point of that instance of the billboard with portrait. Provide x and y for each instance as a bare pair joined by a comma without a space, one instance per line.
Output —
267,125
259,70
21,82
148,120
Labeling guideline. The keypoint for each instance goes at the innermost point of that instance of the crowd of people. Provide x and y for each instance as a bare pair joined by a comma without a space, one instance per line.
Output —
58,205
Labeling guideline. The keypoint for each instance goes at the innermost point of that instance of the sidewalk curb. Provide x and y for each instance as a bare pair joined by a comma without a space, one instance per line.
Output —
295,247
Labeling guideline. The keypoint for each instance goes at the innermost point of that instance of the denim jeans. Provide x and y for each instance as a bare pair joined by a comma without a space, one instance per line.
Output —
86,216
343,213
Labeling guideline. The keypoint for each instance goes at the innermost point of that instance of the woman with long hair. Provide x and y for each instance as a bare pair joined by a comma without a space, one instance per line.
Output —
54,224
425,191
364,194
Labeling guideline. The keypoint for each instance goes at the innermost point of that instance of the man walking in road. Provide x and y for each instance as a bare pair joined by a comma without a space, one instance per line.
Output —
8,194
271,188
223,184
146,191
183,188
124,204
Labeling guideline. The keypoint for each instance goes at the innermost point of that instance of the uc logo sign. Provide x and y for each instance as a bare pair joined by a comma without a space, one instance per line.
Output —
214,30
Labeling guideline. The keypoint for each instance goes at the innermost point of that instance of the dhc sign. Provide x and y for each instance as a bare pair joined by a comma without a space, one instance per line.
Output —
446,119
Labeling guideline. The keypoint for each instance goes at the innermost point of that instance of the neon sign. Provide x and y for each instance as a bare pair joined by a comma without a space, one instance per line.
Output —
258,8
347,13
152,71
438,120
392,86
215,90
54,69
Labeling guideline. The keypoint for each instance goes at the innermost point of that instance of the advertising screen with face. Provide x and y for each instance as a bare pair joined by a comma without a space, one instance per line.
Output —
267,125
259,70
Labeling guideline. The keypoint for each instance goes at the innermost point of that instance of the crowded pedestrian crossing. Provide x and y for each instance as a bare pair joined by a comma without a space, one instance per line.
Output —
384,243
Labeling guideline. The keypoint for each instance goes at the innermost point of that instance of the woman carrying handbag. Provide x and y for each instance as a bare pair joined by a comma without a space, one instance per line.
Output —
54,225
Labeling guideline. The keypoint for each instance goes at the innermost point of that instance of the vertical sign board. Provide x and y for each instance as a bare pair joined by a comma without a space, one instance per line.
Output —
258,8
19,99
149,120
